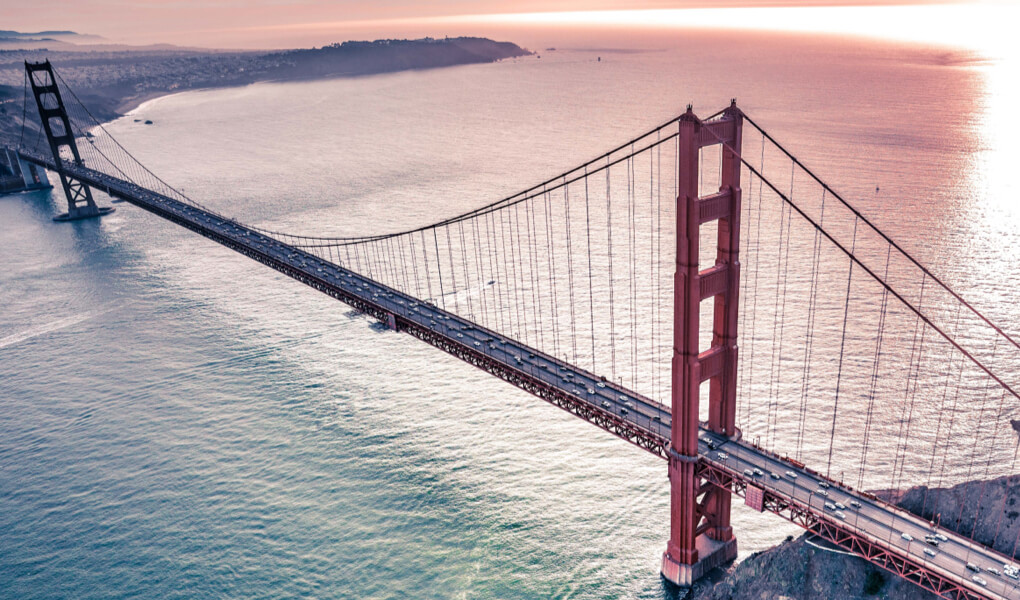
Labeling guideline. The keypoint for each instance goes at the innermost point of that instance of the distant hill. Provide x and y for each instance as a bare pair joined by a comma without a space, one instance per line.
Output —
67,37
381,56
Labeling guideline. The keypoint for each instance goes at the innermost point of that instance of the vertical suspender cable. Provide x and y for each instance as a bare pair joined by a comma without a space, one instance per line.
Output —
591,295
570,272
439,266
842,347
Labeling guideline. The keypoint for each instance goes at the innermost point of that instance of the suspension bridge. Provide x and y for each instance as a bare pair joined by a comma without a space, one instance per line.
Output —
859,368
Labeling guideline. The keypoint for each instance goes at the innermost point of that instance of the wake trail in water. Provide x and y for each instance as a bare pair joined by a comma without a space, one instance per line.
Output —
39,330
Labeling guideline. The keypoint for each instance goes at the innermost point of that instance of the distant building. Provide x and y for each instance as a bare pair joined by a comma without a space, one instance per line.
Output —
17,175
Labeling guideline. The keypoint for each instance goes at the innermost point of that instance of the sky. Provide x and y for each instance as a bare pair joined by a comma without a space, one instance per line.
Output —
304,23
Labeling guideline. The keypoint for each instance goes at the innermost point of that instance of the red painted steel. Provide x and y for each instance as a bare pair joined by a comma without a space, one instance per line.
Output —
824,526
717,364
722,400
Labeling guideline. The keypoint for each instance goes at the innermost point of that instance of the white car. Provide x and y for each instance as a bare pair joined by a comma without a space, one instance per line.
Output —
840,506
722,456
907,537
840,514
978,580
855,504
774,475
930,552
791,474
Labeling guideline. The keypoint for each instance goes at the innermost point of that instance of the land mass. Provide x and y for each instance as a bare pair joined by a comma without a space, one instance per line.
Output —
111,80
807,568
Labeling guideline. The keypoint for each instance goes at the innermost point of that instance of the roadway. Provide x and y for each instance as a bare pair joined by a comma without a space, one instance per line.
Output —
877,520
881,523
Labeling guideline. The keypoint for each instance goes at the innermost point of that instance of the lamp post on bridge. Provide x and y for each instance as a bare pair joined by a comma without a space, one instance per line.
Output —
701,537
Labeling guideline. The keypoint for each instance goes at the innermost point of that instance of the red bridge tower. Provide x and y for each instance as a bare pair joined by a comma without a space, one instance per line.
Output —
700,534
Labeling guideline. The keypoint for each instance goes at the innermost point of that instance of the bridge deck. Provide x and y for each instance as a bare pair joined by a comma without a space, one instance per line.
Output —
866,526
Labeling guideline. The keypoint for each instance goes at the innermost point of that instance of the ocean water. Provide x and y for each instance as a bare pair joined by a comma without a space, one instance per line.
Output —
179,422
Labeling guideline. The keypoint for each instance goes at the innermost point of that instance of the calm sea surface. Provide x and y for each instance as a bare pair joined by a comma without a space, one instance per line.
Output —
177,421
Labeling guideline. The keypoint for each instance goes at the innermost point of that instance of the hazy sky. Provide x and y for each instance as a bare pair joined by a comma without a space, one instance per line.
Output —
289,23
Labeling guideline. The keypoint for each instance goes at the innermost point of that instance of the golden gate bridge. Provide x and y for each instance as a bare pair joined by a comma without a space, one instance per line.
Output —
835,362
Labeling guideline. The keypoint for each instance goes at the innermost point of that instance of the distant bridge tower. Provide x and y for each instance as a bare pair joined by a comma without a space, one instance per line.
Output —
53,115
700,534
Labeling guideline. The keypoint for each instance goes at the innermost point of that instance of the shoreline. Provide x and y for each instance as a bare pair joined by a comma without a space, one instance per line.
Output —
122,84
127,107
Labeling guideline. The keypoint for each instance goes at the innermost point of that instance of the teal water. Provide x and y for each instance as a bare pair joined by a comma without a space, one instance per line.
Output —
180,422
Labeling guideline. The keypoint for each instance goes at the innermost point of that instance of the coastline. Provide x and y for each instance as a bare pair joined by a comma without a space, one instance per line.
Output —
127,107
122,83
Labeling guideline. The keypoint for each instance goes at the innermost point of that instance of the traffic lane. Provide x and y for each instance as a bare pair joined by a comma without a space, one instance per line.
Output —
881,525
298,259
577,383
507,350
877,529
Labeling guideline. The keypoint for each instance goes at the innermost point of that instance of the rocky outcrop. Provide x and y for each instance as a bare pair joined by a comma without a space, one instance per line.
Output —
987,511
808,569
801,570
